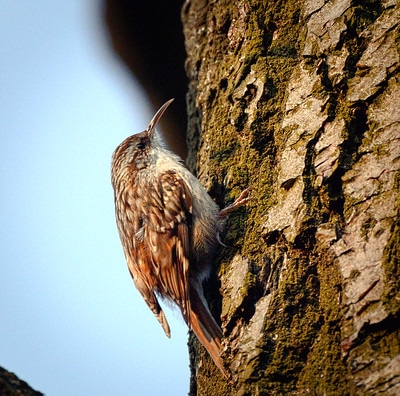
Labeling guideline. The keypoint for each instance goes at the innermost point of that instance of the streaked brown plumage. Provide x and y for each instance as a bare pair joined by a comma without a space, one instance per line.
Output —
168,226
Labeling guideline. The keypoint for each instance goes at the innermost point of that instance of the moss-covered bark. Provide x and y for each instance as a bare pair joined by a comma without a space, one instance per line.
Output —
299,100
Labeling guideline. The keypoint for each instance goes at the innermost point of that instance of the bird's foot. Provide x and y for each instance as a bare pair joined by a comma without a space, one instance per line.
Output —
241,200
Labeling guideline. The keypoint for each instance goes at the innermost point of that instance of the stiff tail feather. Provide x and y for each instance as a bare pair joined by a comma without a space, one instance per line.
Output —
206,329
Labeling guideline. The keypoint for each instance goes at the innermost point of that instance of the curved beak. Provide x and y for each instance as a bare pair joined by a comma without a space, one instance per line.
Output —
151,127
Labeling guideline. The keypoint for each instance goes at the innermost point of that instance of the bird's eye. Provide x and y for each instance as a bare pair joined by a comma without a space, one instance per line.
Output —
141,146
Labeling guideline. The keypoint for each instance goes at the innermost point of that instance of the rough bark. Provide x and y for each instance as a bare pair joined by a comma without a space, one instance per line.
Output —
11,385
300,100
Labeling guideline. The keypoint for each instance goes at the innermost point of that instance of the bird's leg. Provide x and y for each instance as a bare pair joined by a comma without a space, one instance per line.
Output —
241,200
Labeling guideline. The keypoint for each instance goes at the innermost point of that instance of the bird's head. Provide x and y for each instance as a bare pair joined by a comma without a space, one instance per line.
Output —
137,151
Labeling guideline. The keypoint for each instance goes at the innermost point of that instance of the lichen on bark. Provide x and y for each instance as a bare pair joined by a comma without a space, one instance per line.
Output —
299,101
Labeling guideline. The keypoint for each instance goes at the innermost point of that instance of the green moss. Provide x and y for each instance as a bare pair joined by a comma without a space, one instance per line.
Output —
301,334
291,329
362,16
383,338
367,226
325,371
208,376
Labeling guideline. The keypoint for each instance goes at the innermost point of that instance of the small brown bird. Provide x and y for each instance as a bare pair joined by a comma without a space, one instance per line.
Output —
168,225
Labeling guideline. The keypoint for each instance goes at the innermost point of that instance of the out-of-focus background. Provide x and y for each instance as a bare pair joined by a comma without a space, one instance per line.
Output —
72,322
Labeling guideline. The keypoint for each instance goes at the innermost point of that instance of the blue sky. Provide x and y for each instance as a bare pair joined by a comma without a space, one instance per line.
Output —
72,322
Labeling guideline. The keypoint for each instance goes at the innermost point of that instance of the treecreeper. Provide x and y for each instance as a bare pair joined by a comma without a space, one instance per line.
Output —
168,226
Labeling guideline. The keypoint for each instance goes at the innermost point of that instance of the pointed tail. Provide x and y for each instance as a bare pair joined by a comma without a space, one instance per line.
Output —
206,328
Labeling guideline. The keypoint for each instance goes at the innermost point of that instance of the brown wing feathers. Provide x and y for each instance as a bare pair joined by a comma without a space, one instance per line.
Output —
163,253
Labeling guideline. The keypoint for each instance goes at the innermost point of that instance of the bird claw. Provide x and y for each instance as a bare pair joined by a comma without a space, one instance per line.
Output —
241,200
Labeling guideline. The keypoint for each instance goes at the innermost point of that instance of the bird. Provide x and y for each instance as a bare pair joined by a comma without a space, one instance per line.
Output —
169,230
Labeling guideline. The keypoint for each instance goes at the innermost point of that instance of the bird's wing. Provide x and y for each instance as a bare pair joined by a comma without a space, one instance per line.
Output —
140,272
163,254
166,240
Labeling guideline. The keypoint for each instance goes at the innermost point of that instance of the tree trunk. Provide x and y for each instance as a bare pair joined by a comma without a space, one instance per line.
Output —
300,101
